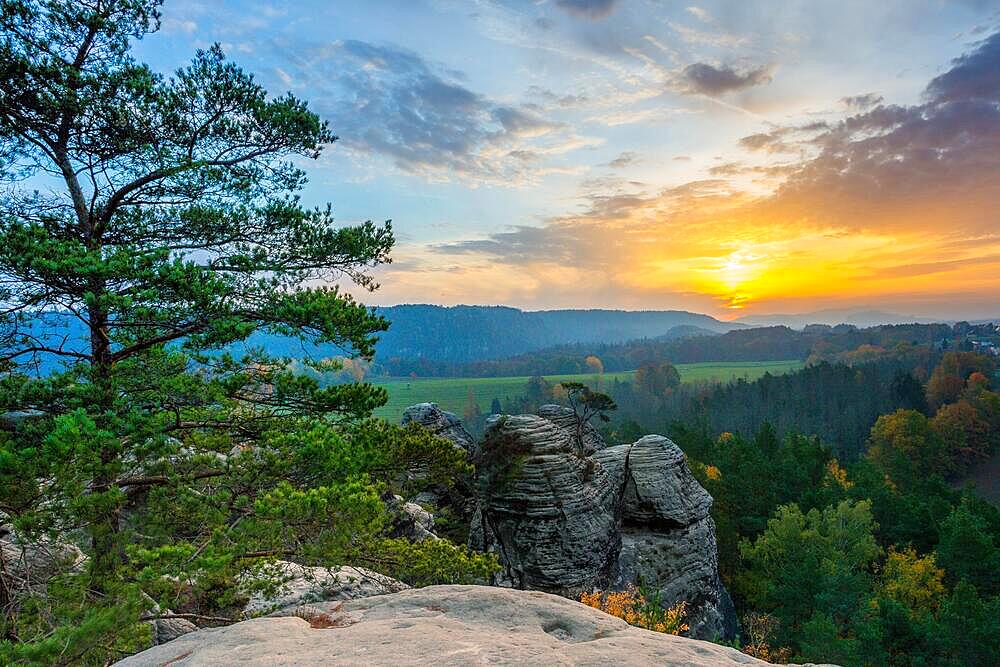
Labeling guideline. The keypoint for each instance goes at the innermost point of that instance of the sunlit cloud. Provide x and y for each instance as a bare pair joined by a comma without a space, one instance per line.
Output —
892,202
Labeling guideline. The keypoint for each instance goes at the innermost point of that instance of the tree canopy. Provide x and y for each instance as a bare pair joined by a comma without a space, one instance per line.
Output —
161,213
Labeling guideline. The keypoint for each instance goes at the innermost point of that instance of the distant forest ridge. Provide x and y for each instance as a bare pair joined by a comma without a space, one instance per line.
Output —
816,342
493,341
475,333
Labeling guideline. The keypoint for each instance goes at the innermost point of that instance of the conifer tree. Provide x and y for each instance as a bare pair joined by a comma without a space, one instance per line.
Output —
149,227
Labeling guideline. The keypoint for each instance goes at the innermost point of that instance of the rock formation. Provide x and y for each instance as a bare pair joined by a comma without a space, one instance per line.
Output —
566,524
438,625
440,423
306,585
458,498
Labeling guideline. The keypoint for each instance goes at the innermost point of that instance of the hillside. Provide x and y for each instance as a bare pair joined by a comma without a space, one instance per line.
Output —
679,346
458,334
471,333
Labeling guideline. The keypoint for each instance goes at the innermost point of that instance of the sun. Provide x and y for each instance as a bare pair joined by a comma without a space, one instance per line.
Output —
734,273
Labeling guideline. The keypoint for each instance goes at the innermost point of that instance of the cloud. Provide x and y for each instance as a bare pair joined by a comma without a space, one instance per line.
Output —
770,142
892,204
699,13
785,139
389,101
549,98
591,9
625,159
714,81
861,102
973,77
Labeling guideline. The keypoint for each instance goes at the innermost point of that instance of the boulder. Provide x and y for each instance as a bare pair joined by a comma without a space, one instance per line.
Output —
565,523
28,564
438,625
306,585
410,520
443,424
660,489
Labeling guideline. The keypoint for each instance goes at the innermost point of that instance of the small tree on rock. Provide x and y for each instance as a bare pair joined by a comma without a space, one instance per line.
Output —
587,404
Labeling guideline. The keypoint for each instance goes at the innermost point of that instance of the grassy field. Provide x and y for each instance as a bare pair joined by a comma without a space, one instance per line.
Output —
451,393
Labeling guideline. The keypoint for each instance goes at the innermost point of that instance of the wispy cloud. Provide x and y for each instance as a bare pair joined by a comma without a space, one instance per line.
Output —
591,9
388,101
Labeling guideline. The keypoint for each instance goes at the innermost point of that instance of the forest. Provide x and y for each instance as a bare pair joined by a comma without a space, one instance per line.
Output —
682,346
845,536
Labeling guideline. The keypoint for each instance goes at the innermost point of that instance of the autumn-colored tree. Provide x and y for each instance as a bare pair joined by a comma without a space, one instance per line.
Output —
906,448
967,437
655,379
635,608
914,581
950,375
472,410
594,364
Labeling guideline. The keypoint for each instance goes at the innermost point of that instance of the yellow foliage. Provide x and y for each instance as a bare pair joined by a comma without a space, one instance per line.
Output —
632,607
713,473
725,436
838,475
758,630
595,364
914,581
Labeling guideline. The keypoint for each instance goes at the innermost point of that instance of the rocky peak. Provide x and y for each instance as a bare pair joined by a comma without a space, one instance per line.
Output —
567,523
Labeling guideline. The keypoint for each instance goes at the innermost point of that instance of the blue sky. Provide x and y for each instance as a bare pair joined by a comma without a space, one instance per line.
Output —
631,153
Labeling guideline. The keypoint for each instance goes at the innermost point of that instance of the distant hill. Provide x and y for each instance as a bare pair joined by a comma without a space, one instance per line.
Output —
457,334
833,317
475,333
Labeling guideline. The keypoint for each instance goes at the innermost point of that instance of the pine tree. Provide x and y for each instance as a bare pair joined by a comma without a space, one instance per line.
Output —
167,233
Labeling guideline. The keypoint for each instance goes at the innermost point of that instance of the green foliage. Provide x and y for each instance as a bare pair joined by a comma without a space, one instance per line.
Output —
170,232
905,446
804,563
434,562
970,627
655,379
968,551
821,641
587,404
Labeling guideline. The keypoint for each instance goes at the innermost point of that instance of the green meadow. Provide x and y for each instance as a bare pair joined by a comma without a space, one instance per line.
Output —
452,393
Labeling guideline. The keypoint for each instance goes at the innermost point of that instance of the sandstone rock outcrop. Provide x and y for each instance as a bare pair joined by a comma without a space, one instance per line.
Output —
565,418
440,423
549,513
458,498
566,524
439,625
307,585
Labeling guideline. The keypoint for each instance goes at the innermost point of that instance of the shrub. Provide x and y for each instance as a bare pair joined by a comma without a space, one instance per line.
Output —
633,606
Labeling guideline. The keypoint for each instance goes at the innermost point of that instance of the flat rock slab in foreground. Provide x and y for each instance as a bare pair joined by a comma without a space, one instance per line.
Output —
438,625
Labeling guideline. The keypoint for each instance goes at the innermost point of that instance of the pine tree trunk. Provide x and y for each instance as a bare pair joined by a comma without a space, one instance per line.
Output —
108,550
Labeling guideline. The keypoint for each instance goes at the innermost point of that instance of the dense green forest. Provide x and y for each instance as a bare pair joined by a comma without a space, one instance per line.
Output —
878,561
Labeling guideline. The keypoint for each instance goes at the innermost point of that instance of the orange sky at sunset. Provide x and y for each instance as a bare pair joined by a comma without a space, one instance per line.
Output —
723,157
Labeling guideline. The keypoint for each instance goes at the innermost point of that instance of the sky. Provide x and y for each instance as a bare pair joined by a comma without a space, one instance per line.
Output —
734,158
